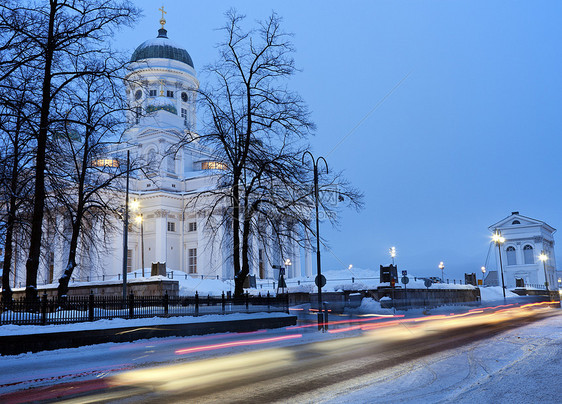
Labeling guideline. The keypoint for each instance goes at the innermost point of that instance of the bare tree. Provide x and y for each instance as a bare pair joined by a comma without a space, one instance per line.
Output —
257,128
16,129
83,175
57,34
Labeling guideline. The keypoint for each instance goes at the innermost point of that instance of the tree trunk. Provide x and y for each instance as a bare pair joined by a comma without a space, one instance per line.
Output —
236,228
62,289
245,271
6,290
32,264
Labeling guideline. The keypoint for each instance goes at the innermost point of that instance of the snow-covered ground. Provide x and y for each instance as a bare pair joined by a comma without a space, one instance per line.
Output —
518,366
336,280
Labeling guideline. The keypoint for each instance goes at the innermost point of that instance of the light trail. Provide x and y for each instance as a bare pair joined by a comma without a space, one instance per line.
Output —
236,343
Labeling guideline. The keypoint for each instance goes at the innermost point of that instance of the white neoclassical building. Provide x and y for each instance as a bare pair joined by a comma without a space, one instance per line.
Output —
525,240
161,88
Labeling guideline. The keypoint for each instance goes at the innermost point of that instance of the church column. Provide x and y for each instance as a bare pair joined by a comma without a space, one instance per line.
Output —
308,262
161,235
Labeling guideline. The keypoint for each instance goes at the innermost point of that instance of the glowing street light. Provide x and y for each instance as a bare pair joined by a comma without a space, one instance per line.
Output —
543,257
392,252
483,268
442,267
135,205
499,240
288,263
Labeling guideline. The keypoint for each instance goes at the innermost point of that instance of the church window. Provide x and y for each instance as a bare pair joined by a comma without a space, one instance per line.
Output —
152,93
261,263
528,254
138,94
129,260
184,116
170,94
511,258
213,165
516,222
192,261
184,97
192,226
151,160
171,164
106,162
51,267
171,226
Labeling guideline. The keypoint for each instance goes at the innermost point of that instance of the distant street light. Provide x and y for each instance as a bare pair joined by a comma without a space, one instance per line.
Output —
499,240
392,252
442,267
543,257
483,272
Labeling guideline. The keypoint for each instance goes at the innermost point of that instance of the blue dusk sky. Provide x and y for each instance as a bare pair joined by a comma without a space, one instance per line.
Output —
449,113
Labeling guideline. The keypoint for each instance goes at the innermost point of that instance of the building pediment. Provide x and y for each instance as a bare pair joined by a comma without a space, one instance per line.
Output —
516,220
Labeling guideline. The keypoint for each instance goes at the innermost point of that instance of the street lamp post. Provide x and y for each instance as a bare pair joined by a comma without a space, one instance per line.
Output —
499,240
126,230
483,272
442,267
392,252
318,265
543,257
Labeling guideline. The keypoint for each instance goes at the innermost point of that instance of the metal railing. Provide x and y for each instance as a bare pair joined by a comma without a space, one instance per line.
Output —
74,309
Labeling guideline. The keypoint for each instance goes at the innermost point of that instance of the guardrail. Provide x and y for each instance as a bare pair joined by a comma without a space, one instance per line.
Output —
74,309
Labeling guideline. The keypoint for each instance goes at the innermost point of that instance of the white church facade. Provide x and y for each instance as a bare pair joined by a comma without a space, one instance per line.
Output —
524,240
168,223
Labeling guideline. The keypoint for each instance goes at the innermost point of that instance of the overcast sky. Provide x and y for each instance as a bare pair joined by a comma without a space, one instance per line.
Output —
457,102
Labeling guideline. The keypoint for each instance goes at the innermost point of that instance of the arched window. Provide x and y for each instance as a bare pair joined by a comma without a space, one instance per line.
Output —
511,258
516,222
171,164
151,160
528,254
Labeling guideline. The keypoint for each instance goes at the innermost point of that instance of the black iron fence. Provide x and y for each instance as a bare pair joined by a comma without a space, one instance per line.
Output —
75,309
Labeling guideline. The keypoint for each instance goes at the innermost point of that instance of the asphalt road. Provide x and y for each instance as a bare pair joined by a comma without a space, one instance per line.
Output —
294,373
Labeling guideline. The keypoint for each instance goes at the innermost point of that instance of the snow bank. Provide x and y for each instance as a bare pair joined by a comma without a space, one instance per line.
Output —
494,293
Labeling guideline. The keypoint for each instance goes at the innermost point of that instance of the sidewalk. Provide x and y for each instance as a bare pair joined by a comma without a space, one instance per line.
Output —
21,339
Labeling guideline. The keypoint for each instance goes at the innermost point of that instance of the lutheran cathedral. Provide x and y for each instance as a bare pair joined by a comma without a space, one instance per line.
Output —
166,224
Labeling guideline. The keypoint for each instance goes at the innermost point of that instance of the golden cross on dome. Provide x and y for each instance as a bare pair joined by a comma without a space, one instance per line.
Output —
162,20
161,87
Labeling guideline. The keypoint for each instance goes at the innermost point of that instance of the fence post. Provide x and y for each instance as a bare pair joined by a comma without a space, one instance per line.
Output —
131,306
247,300
166,302
268,302
196,304
223,301
287,309
91,306
44,309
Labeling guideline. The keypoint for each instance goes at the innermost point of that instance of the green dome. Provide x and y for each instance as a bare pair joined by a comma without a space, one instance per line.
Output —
161,47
